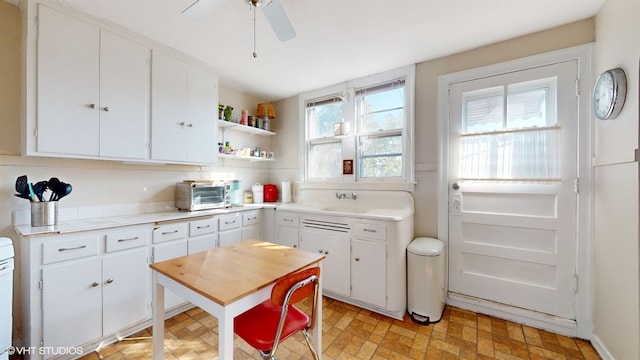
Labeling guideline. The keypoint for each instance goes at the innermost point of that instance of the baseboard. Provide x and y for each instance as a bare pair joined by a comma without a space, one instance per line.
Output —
535,319
601,349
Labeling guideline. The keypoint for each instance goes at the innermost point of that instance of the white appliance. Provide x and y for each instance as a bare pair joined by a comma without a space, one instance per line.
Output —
6,295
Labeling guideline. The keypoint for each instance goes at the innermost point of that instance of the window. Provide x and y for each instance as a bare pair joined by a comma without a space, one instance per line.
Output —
511,132
369,121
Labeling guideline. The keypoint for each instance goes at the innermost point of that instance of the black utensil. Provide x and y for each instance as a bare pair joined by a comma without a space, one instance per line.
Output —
65,189
22,186
39,189
23,196
54,185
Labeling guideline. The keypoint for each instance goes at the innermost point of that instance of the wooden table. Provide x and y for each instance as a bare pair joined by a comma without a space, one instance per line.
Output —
226,282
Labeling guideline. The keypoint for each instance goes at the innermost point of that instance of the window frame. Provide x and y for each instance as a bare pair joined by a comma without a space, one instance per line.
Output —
351,142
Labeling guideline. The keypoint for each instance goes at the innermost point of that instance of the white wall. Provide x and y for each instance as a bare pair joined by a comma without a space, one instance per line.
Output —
616,265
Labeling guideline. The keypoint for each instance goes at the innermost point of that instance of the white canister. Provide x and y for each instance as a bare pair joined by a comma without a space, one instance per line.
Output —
258,193
285,191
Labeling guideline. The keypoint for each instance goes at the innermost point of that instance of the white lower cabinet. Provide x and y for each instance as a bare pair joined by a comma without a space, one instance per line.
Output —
287,228
251,225
230,229
92,285
335,246
369,271
169,242
203,234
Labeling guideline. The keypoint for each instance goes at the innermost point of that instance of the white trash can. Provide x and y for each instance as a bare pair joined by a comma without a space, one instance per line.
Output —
425,280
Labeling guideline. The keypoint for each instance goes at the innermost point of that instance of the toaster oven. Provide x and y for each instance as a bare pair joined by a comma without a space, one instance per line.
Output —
202,195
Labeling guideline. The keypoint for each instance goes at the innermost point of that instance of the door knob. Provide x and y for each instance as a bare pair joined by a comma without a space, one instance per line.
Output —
455,186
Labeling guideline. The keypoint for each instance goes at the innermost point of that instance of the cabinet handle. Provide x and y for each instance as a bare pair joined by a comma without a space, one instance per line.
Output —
326,252
369,230
129,239
109,281
357,259
95,284
203,227
93,106
106,108
169,232
4,268
295,246
73,248
191,125
229,222
320,251
182,123
253,218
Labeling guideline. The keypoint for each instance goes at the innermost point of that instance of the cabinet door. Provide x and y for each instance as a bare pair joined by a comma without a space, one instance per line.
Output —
202,243
168,251
201,126
67,85
123,97
168,108
229,237
335,271
287,236
252,232
125,289
369,271
72,303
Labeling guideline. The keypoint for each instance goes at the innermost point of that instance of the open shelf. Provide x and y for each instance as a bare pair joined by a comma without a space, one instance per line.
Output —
243,128
238,157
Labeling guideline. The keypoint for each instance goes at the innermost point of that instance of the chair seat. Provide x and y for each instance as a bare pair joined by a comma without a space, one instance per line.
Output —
257,326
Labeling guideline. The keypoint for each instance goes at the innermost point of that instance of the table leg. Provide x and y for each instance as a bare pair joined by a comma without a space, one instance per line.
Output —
225,337
316,336
158,319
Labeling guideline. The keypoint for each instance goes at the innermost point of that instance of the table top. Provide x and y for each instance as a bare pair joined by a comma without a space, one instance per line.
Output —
229,273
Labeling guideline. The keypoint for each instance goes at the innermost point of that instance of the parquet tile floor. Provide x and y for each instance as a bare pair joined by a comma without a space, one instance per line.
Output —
353,333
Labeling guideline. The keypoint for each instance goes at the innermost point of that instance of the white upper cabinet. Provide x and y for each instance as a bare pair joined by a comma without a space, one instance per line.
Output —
92,90
184,102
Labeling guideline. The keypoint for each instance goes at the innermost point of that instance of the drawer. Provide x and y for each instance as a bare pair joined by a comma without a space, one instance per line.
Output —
69,248
125,240
370,230
205,226
287,219
168,232
250,218
228,222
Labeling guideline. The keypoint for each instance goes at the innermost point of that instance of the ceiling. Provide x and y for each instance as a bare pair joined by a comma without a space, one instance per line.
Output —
337,40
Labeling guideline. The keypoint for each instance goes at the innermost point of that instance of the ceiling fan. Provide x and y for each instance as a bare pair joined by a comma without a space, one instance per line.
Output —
272,9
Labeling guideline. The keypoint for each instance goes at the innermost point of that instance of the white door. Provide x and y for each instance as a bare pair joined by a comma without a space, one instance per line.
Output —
512,180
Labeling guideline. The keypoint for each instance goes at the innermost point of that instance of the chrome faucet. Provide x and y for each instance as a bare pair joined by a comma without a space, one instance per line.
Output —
344,196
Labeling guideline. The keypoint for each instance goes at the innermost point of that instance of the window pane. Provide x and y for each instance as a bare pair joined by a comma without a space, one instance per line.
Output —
322,116
483,110
325,160
381,108
381,156
527,104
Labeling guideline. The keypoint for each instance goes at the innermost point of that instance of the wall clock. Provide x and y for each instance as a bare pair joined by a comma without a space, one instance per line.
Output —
609,94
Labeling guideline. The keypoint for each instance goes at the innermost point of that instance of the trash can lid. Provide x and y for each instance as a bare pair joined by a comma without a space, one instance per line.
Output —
426,246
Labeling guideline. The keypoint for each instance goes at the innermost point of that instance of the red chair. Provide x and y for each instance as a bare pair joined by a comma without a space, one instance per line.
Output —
273,321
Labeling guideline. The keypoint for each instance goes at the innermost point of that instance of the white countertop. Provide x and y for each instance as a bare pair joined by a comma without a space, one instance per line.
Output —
387,206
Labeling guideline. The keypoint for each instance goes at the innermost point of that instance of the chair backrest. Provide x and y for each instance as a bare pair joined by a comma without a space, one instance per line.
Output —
305,289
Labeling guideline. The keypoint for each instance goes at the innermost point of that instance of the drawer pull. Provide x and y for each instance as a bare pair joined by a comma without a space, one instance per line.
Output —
253,218
109,281
229,222
73,248
129,239
95,284
370,230
4,268
203,227
357,259
169,232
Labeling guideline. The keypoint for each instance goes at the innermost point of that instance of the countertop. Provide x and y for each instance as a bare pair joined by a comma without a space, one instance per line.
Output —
71,226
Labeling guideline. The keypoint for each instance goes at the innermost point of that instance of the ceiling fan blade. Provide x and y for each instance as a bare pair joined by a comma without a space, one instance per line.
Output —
202,8
279,21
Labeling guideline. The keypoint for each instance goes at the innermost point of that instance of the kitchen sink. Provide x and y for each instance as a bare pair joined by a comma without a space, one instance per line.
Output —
344,209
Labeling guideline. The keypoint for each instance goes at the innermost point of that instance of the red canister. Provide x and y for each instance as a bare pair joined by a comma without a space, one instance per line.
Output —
270,193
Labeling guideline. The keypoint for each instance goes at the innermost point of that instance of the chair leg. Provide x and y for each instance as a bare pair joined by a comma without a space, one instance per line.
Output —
307,338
